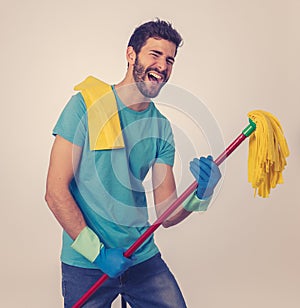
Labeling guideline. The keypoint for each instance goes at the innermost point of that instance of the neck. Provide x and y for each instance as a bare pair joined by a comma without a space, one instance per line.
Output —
131,96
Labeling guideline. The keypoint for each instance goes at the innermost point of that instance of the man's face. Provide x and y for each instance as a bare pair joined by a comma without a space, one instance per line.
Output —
153,66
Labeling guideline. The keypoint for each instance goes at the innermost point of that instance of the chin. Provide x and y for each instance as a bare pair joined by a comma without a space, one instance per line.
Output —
149,91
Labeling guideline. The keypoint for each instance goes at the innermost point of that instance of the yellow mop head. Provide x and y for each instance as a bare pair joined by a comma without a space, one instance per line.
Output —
268,150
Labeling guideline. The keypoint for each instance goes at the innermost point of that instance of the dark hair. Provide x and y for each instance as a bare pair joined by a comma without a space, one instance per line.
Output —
156,29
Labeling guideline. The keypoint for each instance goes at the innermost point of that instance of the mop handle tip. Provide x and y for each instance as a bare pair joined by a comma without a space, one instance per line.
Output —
250,128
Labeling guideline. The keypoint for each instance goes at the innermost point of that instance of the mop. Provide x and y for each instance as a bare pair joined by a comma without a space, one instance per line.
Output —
268,150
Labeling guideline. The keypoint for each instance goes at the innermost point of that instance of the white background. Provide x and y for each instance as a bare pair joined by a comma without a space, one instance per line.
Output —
237,56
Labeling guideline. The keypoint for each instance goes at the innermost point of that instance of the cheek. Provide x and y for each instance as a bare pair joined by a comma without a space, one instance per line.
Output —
170,70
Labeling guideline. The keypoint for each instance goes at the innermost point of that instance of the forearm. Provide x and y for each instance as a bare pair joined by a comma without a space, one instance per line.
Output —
66,211
165,194
176,217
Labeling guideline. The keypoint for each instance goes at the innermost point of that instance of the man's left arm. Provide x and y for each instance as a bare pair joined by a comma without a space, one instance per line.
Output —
164,192
206,173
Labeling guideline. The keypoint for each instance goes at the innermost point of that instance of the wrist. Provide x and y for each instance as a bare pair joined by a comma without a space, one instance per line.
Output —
204,193
195,204
88,244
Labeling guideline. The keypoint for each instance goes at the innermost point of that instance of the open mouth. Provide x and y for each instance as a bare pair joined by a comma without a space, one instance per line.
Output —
155,77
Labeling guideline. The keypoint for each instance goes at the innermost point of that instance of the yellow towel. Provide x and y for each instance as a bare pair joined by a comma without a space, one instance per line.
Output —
103,119
268,150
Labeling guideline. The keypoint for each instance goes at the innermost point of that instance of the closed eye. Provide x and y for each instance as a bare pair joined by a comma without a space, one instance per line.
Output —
156,54
170,61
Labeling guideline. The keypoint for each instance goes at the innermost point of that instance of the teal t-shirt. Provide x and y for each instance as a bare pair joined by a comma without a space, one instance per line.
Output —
108,184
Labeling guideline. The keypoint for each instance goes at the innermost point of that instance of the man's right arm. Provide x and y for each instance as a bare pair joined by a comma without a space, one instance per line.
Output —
64,160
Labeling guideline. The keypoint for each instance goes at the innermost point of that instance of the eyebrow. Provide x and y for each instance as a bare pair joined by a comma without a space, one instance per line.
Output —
160,53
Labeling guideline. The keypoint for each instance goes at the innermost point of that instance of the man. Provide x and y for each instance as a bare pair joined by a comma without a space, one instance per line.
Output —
107,139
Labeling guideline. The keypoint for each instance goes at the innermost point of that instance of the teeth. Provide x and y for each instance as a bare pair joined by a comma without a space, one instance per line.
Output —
155,75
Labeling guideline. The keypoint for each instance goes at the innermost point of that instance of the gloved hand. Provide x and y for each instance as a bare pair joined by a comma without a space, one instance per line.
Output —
207,174
110,260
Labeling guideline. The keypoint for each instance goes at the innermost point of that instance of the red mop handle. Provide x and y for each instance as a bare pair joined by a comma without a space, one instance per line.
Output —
160,220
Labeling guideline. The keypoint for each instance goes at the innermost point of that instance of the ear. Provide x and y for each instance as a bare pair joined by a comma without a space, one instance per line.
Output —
130,55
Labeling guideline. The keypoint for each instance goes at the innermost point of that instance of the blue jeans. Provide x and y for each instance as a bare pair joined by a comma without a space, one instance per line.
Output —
149,284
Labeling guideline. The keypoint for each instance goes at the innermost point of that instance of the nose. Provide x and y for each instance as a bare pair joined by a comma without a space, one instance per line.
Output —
162,64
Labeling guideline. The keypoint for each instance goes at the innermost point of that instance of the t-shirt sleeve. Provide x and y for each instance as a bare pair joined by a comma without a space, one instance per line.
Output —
166,151
72,122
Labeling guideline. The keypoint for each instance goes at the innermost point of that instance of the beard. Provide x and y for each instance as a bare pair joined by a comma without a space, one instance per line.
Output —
148,88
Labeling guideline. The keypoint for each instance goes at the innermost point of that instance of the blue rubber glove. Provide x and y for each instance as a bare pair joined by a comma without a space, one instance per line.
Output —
207,174
112,262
